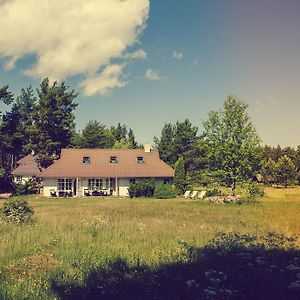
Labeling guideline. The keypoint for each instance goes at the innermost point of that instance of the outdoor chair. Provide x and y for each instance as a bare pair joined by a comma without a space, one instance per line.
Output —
186,194
193,195
201,194
53,193
86,192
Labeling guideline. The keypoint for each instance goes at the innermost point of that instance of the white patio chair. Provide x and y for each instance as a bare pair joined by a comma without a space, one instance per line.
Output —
193,195
186,194
201,194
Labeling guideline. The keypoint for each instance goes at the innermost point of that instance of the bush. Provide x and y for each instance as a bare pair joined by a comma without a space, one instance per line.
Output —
213,192
16,211
27,188
164,191
255,191
143,188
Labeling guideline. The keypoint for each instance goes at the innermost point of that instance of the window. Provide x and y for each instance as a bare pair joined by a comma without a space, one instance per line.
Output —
68,184
19,178
86,160
64,184
140,159
107,183
113,160
132,180
95,184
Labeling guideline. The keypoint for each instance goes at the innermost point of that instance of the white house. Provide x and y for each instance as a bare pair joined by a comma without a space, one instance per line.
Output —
83,172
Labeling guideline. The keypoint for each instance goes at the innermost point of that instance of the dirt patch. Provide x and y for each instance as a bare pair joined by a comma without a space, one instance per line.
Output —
32,265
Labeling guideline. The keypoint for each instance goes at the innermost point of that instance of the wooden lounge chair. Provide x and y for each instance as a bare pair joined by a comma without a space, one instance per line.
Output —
201,194
193,194
186,194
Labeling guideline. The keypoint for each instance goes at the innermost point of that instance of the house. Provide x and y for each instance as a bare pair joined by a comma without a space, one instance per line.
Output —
83,172
27,168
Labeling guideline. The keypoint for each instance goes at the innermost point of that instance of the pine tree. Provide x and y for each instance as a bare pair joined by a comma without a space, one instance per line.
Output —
54,120
179,178
131,139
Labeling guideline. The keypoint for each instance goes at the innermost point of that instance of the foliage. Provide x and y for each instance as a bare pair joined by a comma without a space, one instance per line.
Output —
122,144
213,192
164,191
165,144
179,177
16,211
96,135
286,171
28,187
269,170
232,141
131,139
176,140
255,190
54,120
5,95
144,188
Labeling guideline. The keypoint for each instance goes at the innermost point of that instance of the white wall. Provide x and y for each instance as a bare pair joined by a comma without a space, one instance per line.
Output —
123,186
49,184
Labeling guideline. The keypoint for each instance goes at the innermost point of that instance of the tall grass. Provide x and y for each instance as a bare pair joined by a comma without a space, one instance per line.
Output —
70,237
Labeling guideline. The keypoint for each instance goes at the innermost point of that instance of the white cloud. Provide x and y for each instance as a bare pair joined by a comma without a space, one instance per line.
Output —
177,55
152,75
111,77
140,54
72,37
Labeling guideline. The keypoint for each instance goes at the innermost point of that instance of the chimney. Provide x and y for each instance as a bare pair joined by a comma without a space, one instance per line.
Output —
147,148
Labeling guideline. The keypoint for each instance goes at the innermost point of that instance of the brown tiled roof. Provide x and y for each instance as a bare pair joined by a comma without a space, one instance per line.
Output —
27,166
71,164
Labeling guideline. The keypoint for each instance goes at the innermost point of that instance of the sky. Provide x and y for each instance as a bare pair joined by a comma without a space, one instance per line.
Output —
144,63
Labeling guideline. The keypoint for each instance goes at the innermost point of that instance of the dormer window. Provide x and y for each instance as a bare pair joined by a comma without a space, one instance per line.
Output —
140,159
113,160
86,160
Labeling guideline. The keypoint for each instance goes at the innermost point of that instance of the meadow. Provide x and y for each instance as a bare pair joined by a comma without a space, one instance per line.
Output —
108,248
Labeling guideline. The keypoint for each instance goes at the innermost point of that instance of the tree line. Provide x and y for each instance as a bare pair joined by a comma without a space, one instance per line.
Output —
226,151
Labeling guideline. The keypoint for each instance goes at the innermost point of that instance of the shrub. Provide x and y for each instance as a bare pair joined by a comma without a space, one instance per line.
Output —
16,211
255,191
164,191
213,192
143,188
27,188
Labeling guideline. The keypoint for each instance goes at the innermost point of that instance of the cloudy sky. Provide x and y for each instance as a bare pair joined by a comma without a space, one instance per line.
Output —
145,63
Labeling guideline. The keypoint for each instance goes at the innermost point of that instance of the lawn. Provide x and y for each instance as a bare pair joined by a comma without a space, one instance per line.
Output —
71,239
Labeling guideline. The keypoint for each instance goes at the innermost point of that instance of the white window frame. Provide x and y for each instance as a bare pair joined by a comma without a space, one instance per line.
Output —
64,184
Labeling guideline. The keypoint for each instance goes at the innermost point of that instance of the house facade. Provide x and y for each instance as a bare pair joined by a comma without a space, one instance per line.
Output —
27,168
83,172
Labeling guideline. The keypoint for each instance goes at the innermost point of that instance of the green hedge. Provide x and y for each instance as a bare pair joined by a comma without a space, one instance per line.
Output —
164,191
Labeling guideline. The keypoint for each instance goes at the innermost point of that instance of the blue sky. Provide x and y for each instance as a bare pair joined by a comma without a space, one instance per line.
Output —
189,56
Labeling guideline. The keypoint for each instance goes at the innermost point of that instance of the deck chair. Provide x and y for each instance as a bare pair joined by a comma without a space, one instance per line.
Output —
193,194
186,194
201,194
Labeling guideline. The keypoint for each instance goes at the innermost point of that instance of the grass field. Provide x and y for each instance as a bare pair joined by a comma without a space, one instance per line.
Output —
71,238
